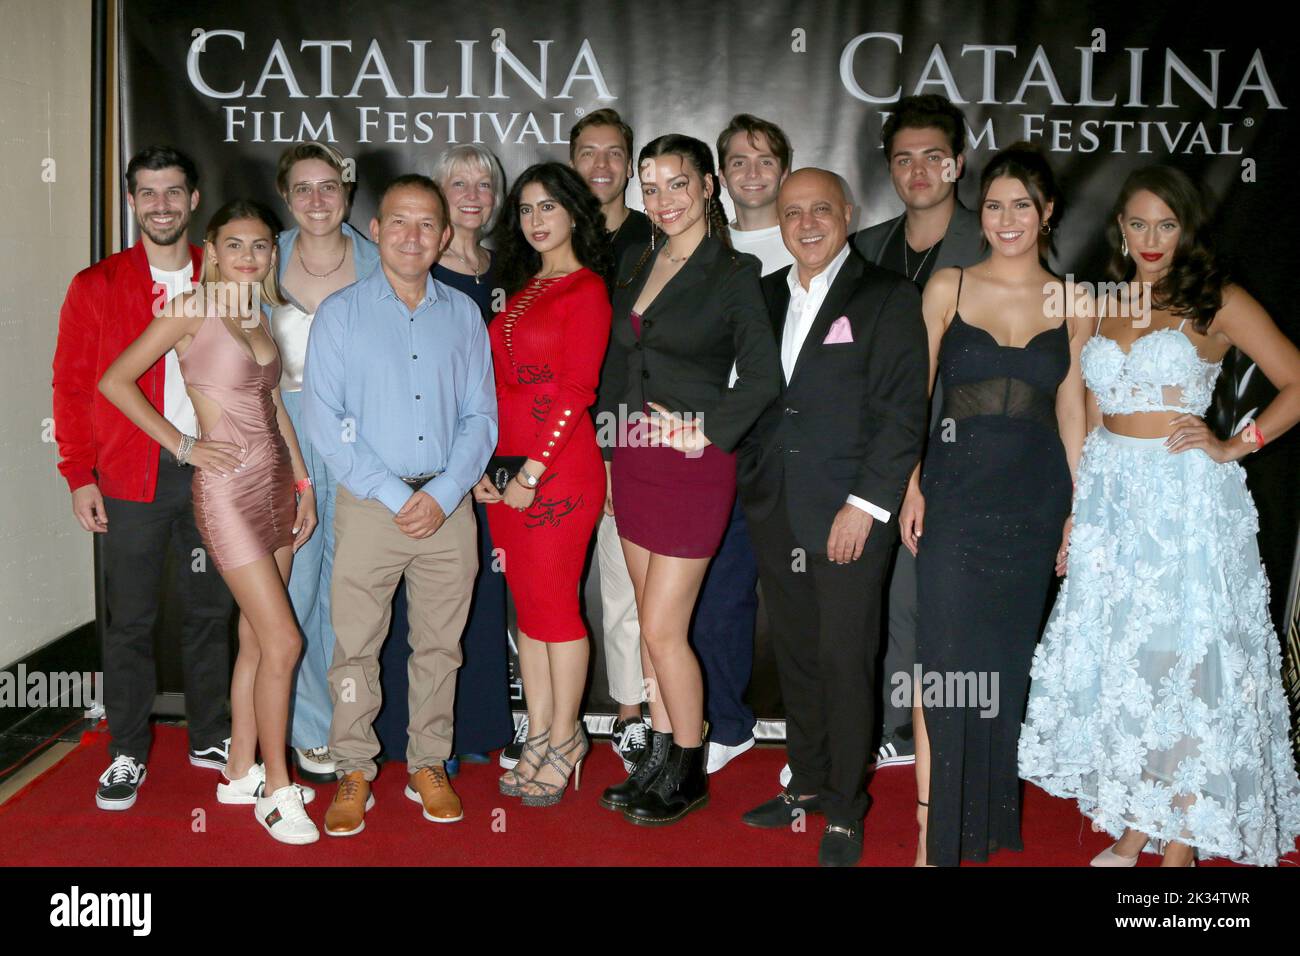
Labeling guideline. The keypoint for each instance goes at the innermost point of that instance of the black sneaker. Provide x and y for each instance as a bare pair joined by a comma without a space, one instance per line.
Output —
213,757
893,752
119,783
514,750
629,740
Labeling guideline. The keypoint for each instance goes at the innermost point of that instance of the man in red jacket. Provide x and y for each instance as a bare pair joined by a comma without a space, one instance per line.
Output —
127,488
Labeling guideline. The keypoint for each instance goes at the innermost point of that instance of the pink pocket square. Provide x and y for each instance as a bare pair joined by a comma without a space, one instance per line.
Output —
840,332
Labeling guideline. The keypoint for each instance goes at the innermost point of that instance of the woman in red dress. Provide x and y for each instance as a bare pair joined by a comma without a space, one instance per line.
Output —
547,349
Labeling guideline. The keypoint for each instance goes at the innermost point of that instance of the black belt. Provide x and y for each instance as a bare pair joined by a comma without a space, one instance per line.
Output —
418,482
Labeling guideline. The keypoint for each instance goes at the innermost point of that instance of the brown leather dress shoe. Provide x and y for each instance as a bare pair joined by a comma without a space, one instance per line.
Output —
347,813
430,787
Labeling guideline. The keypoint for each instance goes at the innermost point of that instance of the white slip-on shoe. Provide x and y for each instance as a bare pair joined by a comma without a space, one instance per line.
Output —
785,776
720,754
283,816
248,788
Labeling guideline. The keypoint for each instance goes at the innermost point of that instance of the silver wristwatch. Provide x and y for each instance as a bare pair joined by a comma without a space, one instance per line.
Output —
526,478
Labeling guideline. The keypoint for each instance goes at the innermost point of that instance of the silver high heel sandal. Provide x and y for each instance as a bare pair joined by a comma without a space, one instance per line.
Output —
531,758
558,757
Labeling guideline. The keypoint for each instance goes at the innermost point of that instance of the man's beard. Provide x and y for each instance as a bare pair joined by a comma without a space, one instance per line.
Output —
168,238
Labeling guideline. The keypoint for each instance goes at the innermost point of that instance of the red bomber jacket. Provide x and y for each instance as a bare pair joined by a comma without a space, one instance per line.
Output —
107,306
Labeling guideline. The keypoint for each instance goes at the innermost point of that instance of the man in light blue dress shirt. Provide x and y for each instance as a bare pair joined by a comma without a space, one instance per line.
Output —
399,399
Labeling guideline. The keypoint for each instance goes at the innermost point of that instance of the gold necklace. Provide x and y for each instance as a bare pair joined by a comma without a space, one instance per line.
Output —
302,262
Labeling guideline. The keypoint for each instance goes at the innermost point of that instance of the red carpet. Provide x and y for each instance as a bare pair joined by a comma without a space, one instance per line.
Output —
178,822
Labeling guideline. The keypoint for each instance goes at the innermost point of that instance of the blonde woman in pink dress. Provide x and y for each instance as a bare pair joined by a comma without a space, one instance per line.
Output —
248,467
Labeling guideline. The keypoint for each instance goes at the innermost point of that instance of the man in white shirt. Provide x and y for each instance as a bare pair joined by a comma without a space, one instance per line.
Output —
753,160
821,478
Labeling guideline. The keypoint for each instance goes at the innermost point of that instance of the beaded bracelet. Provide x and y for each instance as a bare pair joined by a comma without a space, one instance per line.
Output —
183,452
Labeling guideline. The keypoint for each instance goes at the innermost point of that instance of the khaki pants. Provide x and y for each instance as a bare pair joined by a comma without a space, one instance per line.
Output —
370,558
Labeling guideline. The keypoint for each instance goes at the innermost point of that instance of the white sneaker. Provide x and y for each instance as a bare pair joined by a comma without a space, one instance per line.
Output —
785,776
315,760
283,816
720,754
248,788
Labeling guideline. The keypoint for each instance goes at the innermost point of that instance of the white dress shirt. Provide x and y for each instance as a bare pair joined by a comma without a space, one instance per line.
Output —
799,316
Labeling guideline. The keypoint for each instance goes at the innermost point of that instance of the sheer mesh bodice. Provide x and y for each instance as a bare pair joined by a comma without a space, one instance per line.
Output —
1011,397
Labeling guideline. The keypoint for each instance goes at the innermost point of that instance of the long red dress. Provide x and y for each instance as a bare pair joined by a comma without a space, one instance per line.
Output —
547,350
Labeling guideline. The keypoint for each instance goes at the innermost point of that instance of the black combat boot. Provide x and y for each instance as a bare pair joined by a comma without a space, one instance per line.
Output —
683,786
652,761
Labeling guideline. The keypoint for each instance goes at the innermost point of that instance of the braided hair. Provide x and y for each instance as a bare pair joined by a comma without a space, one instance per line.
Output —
696,154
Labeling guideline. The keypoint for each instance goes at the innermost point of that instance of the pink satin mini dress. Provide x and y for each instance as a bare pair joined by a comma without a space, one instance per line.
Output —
247,515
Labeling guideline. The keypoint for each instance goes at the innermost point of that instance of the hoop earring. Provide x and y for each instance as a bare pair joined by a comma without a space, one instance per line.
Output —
1123,244
1047,229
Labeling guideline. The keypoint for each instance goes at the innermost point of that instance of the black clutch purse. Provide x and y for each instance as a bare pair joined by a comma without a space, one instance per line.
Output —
501,470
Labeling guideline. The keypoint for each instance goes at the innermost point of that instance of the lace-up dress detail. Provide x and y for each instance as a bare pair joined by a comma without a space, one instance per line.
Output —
1156,699
547,349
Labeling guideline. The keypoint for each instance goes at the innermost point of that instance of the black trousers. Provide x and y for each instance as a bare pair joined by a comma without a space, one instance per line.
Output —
139,536
825,623
900,648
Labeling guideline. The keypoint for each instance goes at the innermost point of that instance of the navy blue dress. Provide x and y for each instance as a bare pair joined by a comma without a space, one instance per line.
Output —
997,492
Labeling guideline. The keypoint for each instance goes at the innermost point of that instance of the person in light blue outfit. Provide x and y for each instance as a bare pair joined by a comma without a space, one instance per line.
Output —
1156,698
318,256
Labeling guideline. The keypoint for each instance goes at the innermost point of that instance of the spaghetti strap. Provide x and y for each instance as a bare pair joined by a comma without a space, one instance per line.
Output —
1101,314
1182,323
961,274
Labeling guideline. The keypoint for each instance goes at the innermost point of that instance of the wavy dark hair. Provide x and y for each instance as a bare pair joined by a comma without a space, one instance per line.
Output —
519,261
924,111
696,154
1026,162
1193,286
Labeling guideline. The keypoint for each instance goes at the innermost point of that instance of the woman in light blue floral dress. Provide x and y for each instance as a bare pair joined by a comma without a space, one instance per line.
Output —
1156,698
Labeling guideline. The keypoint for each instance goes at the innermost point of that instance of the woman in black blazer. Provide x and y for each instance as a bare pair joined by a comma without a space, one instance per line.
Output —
685,312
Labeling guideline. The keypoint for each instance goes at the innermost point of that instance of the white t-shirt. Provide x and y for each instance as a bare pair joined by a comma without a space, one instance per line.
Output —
770,249
764,243
177,407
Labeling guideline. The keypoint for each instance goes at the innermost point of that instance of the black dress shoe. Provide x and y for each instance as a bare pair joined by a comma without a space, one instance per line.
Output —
841,845
682,786
781,811
651,762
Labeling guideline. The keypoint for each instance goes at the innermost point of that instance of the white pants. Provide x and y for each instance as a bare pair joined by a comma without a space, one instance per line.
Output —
618,617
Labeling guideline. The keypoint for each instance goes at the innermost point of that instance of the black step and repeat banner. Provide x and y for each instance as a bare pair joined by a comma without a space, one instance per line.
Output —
1105,88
